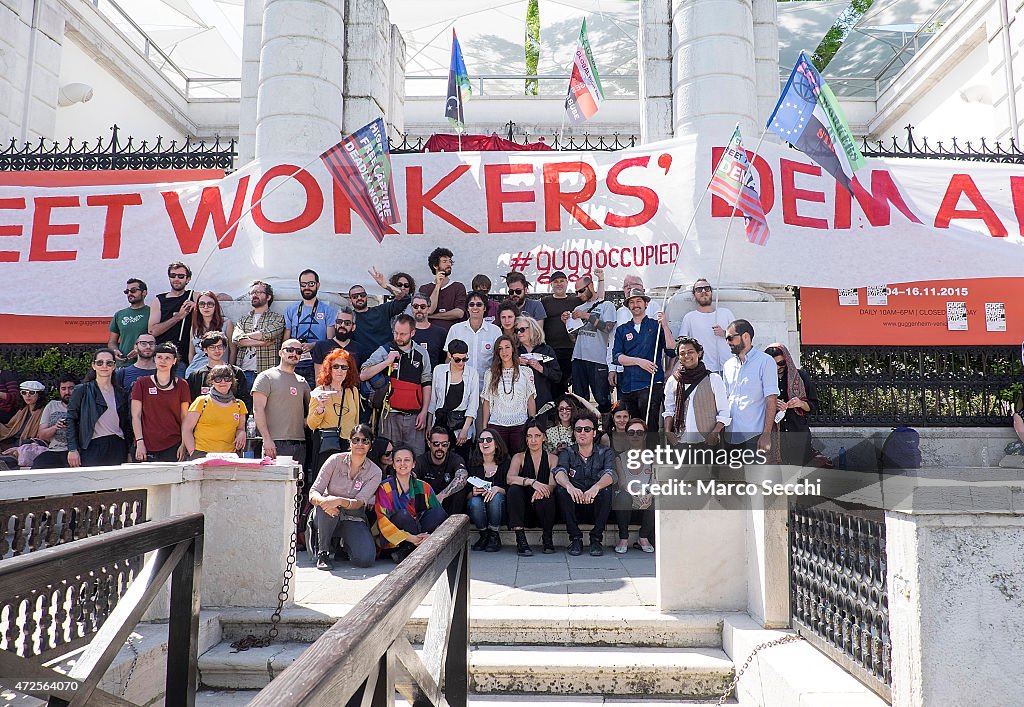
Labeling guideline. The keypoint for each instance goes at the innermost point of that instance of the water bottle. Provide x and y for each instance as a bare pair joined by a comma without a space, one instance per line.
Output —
250,427
840,459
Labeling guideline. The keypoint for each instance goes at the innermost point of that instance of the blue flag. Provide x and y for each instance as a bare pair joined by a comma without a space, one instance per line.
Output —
458,88
809,118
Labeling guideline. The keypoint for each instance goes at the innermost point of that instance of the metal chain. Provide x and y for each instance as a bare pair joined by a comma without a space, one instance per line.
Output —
251,641
789,638
131,670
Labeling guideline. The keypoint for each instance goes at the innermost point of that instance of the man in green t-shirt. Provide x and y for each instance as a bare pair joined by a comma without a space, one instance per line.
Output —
129,322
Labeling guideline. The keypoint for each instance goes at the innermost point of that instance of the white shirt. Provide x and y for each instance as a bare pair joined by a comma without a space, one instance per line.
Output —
691,434
480,343
508,409
623,315
698,325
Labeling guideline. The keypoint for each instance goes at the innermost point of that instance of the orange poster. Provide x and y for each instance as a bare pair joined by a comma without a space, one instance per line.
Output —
930,313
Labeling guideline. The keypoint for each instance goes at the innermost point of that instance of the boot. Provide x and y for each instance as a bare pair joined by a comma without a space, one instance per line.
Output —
482,542
548,543
493,542
522,547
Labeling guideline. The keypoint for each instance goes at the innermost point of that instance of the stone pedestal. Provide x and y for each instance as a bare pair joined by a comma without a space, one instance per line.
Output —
956,606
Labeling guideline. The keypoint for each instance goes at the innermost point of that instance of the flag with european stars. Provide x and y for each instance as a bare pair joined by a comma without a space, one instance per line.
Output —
809,118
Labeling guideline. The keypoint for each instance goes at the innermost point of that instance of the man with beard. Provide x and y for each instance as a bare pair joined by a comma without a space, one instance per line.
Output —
707,325
445,471
622,316
258,334
447,296
279,401
52,427
145,347
309,321
170,317
128,323
215,345
344,328
373,324
429,336
596,320
752,384
517,289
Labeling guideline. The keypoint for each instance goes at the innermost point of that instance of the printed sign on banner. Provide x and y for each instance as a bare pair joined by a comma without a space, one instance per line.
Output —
956,316
878,295
849,297
995,316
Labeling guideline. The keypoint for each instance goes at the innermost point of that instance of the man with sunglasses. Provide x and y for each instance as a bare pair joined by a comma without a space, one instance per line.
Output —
258,334
427,335
590,353
145,350
517,290
128,323
585,478
445,471
170,318
373,324
707,325
343,338
752,383
215,345
309,321
280,398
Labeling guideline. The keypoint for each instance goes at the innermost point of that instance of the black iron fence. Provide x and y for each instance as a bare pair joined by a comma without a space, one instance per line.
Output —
112,153
971,150
838,589
963,386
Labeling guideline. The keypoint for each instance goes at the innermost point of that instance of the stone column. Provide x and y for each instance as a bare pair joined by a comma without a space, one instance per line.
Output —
766,60
299,100
252,39
655,51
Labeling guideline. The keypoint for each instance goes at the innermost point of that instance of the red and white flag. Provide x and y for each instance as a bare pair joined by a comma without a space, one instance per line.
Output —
585,92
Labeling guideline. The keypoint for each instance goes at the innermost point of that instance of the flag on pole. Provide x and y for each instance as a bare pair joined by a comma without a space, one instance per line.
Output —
585,91
459,88
809,118
361,166
734,182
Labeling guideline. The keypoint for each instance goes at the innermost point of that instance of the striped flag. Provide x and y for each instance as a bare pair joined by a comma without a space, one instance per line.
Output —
585,92
459,88
809,118
734,182
361,167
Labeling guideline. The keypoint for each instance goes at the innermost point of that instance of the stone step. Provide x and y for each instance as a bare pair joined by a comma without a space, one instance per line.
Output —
685,672
511,625
702,673
560,536
239,698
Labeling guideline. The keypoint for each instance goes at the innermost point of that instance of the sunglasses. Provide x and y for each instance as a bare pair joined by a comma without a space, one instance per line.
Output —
105,362
475,304
406,285
207,304
132,290
387,452
780,364
582,290
223,379
730,337
460,359
516,292
360,440
702,288
343,322
311,283
30,392
521,329
292,349
153,343
440,444
177,276
486,440
357,294
339,367
420,306
584,429
635,433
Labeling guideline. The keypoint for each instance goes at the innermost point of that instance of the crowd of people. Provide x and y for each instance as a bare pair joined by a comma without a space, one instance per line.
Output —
439,400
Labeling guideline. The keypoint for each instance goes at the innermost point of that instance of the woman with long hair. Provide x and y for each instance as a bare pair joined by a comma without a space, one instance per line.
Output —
536,354
407,509
334,406
209,317
489,462
99,421
506,319
798,398
455,397
404,282
380,453
531,484
215,422
615,436
559,435
509,395
626,503
24,424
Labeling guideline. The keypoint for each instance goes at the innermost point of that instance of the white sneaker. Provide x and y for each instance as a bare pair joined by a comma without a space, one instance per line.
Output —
622,547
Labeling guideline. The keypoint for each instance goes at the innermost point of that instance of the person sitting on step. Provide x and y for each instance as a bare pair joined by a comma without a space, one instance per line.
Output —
530,481
585,475
489,463
406,507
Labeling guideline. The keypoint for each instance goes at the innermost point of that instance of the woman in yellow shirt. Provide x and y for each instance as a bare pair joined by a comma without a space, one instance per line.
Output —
215,422
333,407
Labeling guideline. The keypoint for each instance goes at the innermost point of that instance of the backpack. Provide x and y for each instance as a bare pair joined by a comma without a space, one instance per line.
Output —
901,450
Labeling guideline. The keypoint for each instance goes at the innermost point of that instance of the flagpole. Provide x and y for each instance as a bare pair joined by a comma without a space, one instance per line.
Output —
675,264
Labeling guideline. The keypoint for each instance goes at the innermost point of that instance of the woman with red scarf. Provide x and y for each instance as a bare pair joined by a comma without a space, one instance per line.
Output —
798,399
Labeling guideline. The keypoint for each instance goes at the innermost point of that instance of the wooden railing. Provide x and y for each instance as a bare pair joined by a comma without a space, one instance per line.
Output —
38,588
366,657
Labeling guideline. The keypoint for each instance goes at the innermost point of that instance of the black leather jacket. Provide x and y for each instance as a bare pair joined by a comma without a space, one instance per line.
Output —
86,406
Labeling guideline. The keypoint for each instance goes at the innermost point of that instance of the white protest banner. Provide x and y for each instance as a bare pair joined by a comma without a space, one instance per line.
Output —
68,250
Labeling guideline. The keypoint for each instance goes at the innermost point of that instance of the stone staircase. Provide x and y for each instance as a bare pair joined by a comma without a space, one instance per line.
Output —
521,654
